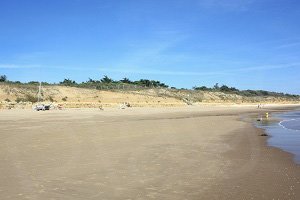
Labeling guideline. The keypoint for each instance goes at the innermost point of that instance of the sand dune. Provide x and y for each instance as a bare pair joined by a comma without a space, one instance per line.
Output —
73,97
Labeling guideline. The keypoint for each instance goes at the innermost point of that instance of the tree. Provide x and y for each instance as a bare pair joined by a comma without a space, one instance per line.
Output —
68,82
224,88
106,79
203,88
216,86
91,81
150,83
3,78
143,82
126,80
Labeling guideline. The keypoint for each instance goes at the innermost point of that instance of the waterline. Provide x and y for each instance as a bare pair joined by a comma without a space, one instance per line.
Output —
284,134
282,124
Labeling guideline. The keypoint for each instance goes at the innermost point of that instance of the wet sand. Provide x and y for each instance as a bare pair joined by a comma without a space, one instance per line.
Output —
178,153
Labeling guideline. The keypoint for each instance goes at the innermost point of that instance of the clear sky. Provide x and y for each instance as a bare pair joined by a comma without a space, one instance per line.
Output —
249,44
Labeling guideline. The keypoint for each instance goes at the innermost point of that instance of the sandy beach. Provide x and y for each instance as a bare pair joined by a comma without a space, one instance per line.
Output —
205,152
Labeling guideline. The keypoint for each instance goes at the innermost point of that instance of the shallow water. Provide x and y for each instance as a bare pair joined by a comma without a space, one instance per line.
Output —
285,134
291,124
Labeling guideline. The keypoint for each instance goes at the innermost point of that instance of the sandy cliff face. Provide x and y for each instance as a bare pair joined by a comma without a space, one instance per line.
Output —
81,97
22,96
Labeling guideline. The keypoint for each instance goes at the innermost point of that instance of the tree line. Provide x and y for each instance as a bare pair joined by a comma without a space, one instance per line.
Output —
247,93
94,83
109,81
106,81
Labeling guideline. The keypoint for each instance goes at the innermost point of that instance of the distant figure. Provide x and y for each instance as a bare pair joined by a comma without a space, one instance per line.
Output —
59,106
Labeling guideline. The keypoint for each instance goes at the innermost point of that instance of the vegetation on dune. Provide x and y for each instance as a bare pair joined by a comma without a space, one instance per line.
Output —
125,83
103,83
3,78
27,98
246,93
106,81
68,82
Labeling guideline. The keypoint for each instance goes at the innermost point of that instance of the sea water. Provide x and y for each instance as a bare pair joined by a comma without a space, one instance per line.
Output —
284,134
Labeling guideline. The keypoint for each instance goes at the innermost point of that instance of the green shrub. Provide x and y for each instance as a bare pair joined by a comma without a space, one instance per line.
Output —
27,98
50,98
31,98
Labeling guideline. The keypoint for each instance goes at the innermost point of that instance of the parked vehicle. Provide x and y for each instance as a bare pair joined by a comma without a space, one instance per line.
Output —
40,107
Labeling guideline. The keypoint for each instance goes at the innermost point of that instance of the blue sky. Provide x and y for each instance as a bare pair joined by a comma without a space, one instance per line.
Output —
249,44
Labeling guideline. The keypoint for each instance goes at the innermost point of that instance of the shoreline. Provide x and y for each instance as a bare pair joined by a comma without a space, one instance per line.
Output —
282,137
268,173
250,119
207,153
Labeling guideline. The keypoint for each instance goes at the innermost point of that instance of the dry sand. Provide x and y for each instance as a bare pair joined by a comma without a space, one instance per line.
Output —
141,153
